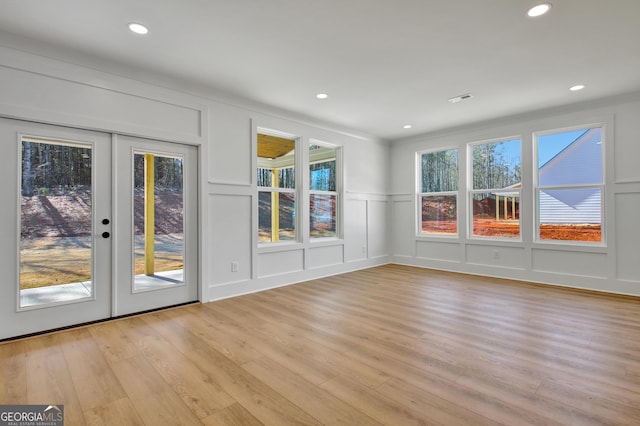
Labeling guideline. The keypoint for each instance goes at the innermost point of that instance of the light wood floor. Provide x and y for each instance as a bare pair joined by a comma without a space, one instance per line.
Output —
390,345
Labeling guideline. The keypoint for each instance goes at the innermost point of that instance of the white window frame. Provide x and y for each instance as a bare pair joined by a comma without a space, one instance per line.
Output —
279,164
338,190
420,194
471,191
537,188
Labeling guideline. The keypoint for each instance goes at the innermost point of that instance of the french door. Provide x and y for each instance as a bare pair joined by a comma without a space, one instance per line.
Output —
77,209
155,224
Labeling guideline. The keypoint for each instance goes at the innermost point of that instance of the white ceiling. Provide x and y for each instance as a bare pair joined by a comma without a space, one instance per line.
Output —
384,63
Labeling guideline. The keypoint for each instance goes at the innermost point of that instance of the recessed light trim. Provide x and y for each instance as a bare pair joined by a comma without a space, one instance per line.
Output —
539,10
322,96
407,126
577,87
138,28
460,98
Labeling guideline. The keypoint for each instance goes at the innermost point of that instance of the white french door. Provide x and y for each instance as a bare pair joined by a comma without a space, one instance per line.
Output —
72,228
155,224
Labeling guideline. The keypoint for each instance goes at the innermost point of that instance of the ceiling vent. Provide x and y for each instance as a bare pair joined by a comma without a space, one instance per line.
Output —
459,98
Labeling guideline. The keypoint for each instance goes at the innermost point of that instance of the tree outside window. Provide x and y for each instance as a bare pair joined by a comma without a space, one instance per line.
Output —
323,191
495,189
276,177
438,196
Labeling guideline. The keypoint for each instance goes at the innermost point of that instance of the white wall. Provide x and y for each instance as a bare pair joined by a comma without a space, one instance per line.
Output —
611,267
45,90
232,213
379,184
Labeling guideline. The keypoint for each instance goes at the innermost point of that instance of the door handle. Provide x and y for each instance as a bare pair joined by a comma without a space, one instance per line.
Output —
106,235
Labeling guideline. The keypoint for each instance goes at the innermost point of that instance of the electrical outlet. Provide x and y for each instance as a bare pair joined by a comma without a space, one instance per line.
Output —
496,254
234,266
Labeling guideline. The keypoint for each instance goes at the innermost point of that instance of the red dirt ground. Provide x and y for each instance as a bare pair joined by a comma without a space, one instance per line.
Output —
509,228
439,217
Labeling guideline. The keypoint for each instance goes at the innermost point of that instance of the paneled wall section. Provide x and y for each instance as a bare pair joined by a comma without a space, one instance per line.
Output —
611,267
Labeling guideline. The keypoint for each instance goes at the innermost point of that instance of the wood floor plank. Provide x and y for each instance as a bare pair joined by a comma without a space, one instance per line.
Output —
114,344
532,406
467,398
310,344
314,400
433,408
600,407
13,371
49,379
196,388
290,352
255,396
233,345
120,412
153,399
94,381
390,345
233,415
374,404
315,347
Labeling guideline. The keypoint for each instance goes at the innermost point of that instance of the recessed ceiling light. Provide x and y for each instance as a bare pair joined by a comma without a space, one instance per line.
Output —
576,87
407,126
459,98
322,96
138,28
539,10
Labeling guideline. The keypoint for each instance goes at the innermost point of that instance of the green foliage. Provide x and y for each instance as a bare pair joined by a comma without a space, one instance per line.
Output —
440,171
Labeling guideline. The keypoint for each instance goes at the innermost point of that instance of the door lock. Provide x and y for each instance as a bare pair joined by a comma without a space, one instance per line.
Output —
106,235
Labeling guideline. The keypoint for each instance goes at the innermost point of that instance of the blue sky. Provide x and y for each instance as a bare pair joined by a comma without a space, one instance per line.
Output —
548,146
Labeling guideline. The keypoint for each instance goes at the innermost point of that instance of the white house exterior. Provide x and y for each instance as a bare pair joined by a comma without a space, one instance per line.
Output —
580,163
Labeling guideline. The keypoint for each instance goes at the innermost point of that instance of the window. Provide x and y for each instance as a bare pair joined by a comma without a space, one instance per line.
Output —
495,189
276,188
323,191
570,185
438,193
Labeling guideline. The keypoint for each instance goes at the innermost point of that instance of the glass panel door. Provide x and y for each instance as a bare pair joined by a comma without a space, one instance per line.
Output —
65,259
56,227
156,222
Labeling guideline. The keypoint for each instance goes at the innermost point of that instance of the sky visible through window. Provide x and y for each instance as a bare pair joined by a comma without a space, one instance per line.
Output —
548,146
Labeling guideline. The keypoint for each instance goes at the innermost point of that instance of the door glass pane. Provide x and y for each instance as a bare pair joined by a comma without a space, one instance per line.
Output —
55,222
158,201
